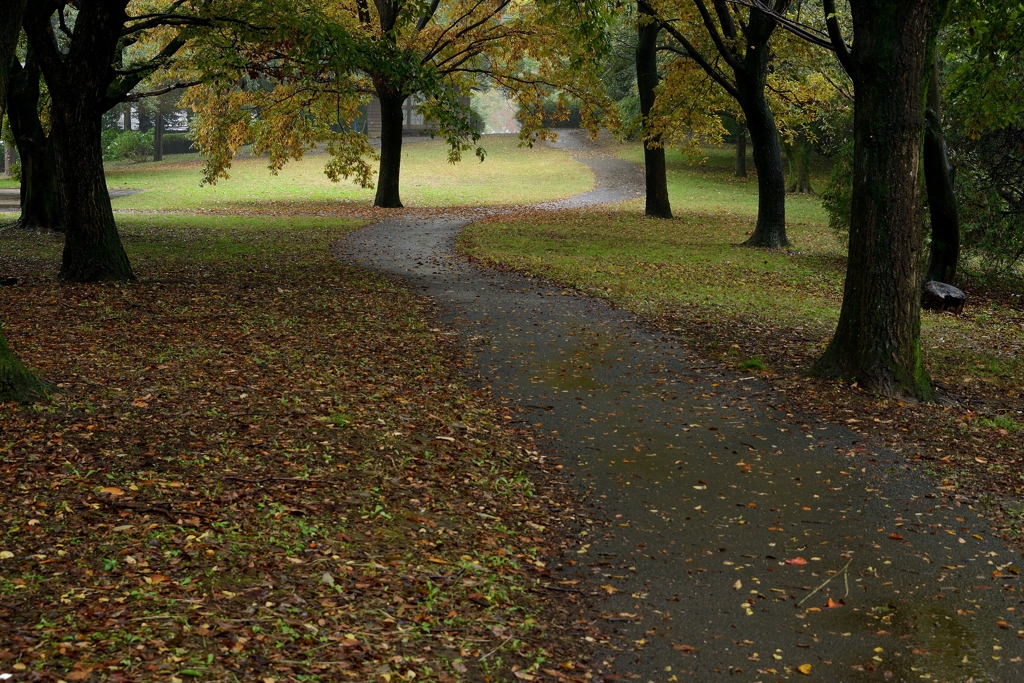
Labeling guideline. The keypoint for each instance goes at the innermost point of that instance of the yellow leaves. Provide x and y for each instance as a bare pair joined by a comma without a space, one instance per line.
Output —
610,590
111,491
805,669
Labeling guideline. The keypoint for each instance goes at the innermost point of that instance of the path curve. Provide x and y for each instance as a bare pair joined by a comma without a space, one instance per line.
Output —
703,486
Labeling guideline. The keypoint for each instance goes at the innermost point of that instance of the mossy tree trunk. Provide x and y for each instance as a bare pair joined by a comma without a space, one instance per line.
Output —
17,383
657,202
877,341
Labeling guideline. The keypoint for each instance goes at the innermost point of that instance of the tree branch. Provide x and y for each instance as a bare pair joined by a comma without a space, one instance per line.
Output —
802,31
425,19
161,91
691,51
835,34
709,24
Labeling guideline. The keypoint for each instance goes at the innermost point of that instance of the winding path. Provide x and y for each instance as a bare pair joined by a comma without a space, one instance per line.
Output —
705,491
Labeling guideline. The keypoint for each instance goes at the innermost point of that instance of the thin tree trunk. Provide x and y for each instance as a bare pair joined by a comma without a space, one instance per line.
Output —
741,150
938,177
798,154
145,120
40,202
17,383
158,133
92,247
877,339
803,167
751,81
392,119
657,204
770,230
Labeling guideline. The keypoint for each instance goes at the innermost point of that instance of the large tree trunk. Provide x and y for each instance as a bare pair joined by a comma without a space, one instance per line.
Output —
78,83
392,114
938,177
657,204
741,151
770,230
17,383
877,339
40,202
92,247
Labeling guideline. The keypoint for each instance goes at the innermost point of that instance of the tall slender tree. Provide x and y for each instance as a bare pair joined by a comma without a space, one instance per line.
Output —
938,174
731,44
17,383
304,93
656,179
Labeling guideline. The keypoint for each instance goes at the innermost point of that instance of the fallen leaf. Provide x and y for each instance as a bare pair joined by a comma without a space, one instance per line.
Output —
738,585
896,537
805,669
683,648
796,560
610,590
832,603
112,491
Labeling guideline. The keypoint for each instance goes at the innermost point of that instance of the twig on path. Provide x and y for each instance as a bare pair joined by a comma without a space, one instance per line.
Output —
495,649
266,479
827,581
156,508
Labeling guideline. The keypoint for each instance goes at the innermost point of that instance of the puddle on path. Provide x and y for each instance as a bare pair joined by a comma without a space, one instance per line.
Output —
715,513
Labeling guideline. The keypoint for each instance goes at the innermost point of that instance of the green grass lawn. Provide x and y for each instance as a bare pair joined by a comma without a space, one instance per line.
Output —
711,187
509,175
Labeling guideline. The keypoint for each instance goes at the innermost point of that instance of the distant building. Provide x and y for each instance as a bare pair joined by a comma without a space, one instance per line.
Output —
414,121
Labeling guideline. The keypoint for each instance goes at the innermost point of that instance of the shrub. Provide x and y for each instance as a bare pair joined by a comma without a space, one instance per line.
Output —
178,143
129,145
838,193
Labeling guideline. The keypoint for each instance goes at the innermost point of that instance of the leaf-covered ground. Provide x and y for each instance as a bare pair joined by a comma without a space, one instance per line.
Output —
263,465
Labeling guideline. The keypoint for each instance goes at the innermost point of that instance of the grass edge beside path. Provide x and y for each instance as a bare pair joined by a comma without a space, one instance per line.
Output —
772,313
260,466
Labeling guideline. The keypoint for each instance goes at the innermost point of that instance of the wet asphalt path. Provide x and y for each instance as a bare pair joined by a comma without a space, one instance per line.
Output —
715,510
